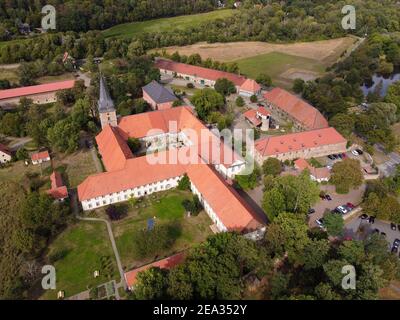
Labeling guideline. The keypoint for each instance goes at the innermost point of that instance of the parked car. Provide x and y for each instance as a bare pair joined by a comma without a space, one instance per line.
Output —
350,205
383,234
371,219
355,152
363,216
328,197
340,156
396,243
395,250
359,151
392,226
344,155
320,222
342,209
311,211
331,157
376,231
398,227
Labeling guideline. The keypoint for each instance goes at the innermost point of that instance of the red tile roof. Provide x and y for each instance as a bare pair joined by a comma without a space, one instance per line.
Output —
200,72
251,86
233,212
113,148
5,149
58,190
300,110
301,164
263,111
42,88
251,115
172,120
298,141
167,263
40,155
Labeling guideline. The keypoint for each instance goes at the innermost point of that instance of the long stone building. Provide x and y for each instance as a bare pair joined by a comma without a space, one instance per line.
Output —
207,77
306,145
40,94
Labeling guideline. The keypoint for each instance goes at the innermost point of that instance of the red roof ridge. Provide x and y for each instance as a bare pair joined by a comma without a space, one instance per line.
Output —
36,89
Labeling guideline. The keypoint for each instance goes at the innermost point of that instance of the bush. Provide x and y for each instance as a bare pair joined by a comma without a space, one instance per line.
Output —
134,144
190,85
239,101
184,183
116,212
193,206
253,98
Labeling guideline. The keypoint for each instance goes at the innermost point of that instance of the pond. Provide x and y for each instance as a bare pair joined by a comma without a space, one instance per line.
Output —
380,80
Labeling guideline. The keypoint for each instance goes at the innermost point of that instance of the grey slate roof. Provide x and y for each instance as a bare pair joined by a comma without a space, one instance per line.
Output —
105,103
159,93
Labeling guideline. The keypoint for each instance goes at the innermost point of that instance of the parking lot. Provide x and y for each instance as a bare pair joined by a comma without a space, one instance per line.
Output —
354,196
358,229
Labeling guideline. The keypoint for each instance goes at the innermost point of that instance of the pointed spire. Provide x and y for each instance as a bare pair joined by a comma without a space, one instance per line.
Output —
105,103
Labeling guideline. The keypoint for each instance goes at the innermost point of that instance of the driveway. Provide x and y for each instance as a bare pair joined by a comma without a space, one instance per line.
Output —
354,196
354,225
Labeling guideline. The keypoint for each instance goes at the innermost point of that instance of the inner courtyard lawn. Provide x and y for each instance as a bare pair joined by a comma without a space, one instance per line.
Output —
78,252
168,210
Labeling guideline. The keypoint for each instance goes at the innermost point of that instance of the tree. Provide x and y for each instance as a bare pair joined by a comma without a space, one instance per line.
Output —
352,251
264,79
151,284
298,85
333,270
253,98
224,86
279,285
346,174
294,232
207,101
248,181
184,183
291,194
272,166
344,123
239,101
11,124
64,136
334,224
134,144
22,154
315,254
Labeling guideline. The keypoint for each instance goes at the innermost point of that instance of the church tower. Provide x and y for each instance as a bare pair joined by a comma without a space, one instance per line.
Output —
106,106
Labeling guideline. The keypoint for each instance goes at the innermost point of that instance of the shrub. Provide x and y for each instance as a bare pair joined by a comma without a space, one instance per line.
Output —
184,183
190,85
239,101
253,98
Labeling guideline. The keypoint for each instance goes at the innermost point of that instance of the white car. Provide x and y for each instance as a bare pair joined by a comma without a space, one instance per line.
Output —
355,152
320,223
342,209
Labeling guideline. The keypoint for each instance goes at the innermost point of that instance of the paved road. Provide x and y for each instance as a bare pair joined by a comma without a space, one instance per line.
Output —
75,208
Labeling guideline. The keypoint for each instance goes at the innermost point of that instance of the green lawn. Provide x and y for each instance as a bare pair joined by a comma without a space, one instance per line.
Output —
167,24
85,247
166,207
275,63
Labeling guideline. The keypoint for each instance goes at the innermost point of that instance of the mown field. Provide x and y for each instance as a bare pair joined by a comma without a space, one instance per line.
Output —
167,209
280,67
79,251
283,62
165,24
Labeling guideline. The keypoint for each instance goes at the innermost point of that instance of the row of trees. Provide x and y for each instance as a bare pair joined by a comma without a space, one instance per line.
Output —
83,16
28,222
297,263
277,21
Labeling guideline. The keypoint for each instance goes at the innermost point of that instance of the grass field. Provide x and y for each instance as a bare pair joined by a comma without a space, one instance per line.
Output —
276,63
82,246
166,207
10,75
77,166
168,24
